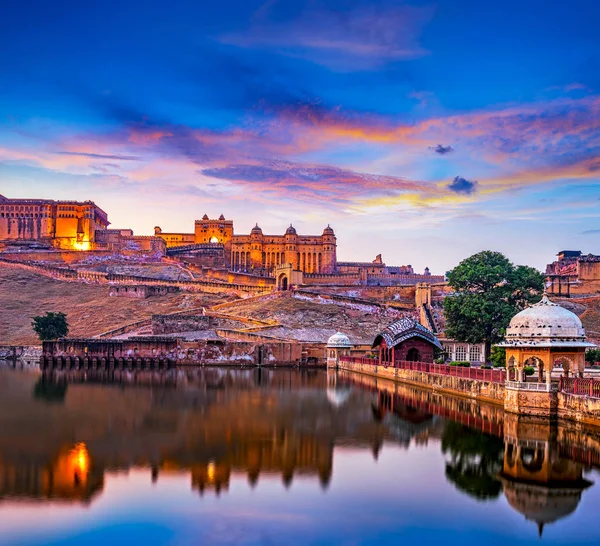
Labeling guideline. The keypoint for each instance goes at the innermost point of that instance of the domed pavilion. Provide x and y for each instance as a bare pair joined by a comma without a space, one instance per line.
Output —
337,345
543,336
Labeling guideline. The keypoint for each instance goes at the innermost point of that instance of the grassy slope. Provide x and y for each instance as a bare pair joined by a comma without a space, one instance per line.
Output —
89,310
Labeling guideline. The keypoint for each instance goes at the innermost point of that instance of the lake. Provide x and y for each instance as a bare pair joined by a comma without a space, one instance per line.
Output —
286,456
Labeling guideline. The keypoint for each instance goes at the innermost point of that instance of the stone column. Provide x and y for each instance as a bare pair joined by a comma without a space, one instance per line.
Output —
520,375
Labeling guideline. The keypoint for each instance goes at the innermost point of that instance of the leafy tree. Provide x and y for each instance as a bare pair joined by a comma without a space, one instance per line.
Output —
475,458
50,326
592,355
489,291
498,357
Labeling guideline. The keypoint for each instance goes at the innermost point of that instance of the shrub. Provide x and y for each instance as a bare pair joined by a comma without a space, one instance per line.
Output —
529,370
50,326
485,367
460,364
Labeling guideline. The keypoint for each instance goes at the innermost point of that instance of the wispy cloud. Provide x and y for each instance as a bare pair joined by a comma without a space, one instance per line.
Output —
100,156
360,38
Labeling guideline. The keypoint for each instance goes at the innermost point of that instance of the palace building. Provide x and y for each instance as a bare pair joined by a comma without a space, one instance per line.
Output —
258,252
213,246
63,224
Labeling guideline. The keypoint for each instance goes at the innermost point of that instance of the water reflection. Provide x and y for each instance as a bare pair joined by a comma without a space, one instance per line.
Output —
213,426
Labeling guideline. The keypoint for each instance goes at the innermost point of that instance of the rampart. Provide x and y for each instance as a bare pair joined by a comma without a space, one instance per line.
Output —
98,277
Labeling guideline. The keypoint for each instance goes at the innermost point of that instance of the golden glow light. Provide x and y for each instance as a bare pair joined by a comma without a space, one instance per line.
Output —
81,245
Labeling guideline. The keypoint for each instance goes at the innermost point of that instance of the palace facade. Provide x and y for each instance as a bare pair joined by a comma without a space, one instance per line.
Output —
258,252
63,224
573,273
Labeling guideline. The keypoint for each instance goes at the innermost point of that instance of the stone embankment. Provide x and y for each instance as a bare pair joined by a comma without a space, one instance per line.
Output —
488,391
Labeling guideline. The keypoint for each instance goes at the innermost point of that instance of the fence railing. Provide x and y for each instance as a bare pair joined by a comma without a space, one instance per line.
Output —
580,386
494,376
531,386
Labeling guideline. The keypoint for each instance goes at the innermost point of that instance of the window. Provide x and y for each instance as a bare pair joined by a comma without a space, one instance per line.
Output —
461,353
475,353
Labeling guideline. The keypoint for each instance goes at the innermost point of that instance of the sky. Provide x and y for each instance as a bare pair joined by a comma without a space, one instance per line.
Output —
424,131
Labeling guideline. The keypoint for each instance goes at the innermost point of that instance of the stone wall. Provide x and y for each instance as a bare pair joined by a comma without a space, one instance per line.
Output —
470,388
582,409
239,353
63,273
140,291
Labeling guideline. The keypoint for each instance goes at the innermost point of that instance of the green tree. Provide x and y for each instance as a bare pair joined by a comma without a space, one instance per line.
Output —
488,291
592,355
498,357
50,326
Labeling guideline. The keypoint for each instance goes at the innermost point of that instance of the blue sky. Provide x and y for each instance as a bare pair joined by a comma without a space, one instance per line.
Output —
424,131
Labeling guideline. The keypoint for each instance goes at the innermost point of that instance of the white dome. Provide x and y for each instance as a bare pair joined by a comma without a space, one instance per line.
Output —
545,324
339,341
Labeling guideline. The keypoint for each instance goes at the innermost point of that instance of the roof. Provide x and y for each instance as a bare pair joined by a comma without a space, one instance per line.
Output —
403,329
545,324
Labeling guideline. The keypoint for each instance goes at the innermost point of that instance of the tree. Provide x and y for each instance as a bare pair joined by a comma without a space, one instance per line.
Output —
592,356
489,291
50,326
498,357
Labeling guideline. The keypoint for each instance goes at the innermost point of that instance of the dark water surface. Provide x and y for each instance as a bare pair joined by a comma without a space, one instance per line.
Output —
282,457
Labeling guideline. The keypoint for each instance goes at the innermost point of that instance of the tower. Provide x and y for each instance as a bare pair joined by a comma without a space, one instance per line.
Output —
291,247
329,263
256,247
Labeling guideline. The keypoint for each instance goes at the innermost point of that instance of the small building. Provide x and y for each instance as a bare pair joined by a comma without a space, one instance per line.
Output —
337,345
406,340
545,335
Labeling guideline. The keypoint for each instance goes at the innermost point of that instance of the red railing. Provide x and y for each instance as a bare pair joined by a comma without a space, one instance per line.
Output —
580,386
495,376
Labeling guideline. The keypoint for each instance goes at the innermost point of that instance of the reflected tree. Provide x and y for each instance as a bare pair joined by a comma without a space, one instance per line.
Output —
50,391
475,459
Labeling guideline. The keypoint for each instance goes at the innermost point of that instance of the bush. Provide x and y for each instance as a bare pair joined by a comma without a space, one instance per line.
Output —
529,370
460,364
50,326
485,367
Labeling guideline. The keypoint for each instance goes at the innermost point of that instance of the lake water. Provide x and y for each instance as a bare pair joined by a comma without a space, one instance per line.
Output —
259,456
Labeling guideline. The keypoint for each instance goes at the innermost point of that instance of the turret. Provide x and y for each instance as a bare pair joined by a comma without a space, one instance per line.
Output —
329,250
256,251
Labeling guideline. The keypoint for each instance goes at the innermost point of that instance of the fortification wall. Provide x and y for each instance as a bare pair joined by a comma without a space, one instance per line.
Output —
112,278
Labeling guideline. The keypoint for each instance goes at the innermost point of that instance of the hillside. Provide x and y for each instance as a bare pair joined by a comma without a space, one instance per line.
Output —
89,310
311,319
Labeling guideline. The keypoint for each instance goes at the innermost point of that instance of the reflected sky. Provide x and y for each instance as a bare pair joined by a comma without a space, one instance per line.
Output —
383,489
